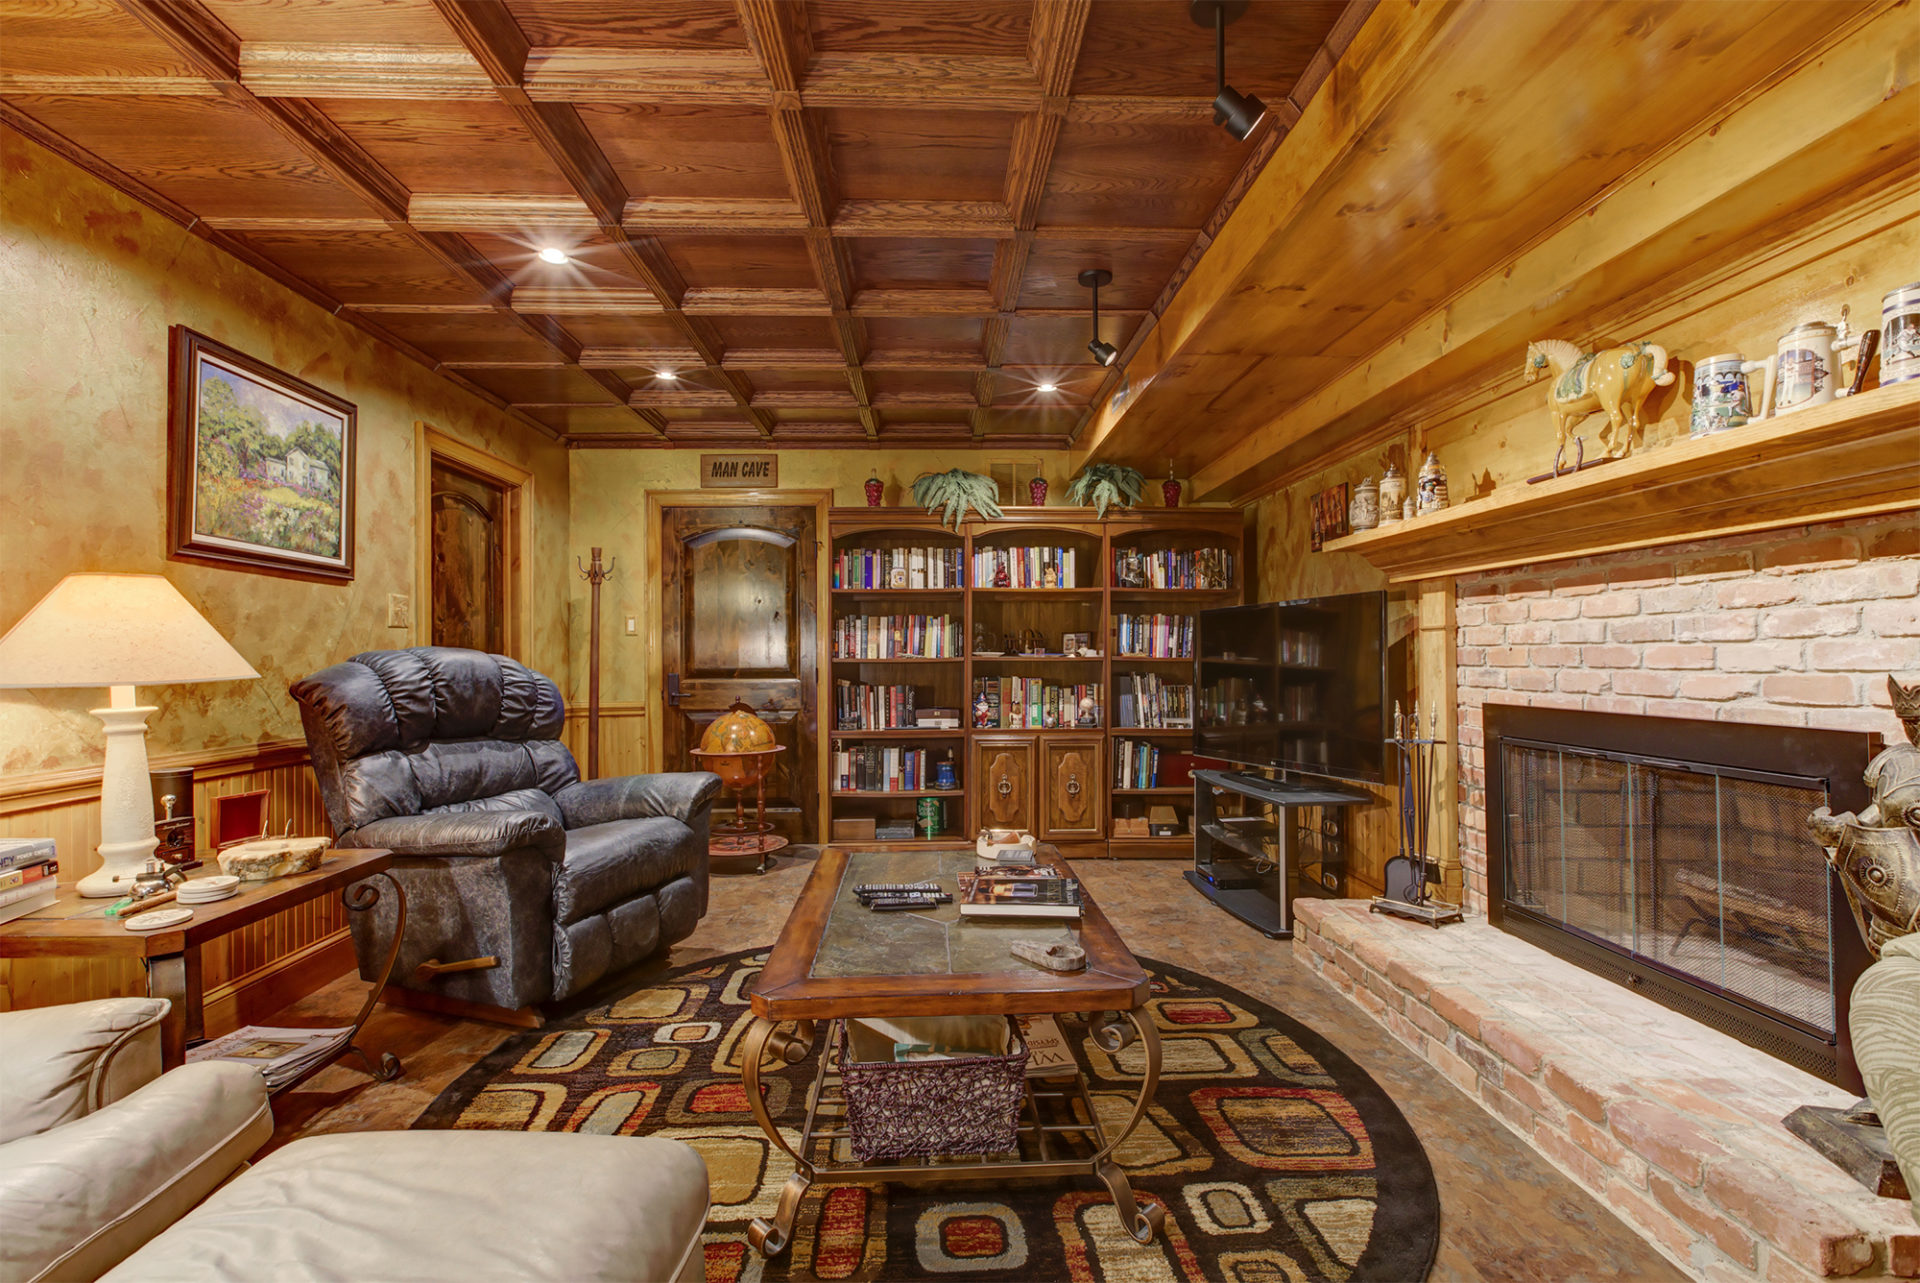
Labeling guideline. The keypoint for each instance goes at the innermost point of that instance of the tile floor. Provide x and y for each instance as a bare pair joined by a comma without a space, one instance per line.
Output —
1506,1214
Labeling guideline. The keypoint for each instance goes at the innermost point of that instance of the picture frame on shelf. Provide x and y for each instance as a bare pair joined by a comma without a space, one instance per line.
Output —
260,465
1328,511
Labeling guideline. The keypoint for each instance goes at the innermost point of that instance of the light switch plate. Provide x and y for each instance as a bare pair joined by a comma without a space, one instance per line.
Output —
633,625
399,610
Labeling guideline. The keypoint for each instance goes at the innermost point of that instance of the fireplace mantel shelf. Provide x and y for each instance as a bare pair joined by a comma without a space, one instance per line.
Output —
1854,457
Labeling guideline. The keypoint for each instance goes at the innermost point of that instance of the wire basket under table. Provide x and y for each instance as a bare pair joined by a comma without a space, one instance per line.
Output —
929,1108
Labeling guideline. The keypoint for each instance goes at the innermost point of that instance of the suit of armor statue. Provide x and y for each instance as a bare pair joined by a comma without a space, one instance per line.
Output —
1877,852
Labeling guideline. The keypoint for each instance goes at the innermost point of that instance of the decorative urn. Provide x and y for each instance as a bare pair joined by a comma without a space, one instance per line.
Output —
875,488
1393,493
737,747
1170,489
1037,492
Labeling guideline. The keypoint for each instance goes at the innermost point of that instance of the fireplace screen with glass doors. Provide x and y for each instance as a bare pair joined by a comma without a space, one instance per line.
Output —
1673,856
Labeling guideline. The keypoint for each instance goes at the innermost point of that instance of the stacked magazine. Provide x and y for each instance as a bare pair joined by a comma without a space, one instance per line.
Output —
1012,892
281,1055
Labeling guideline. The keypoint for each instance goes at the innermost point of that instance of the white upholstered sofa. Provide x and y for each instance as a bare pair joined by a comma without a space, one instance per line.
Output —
111,1169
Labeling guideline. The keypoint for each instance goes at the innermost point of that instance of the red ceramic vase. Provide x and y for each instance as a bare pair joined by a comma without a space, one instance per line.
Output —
875,488
1037,491
1170,492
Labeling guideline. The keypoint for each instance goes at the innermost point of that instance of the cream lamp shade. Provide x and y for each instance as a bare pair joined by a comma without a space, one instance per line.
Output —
118,631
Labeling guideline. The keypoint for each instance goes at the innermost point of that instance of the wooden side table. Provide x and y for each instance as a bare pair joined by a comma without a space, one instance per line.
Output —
75,927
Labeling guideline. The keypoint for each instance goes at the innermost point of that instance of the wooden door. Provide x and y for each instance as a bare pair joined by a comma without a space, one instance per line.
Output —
739,622
469,559
1003,781
1070,804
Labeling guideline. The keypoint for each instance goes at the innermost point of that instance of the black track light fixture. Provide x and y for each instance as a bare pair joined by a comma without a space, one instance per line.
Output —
1239,112
1093,278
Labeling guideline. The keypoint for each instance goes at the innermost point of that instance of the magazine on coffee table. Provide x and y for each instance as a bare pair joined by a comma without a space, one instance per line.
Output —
996,897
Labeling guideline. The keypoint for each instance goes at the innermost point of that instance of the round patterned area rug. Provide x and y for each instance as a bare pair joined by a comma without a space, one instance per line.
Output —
1277,1159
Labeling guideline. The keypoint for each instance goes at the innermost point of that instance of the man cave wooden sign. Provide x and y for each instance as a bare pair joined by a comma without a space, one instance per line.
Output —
739,471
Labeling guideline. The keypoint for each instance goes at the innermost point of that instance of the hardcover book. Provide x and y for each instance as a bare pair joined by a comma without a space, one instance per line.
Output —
1000,897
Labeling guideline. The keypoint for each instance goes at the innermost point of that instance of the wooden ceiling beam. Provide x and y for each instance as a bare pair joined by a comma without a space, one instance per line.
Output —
488,31
206,44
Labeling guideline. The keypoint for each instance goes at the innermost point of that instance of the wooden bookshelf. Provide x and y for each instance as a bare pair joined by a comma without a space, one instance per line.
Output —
1058,780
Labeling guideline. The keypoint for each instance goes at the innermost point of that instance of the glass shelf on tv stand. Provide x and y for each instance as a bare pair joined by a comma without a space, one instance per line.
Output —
1248,863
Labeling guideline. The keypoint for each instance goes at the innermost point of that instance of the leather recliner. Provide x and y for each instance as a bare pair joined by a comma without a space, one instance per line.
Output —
452,760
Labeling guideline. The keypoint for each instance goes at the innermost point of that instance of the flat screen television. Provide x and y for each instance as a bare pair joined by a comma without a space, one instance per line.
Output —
1295,685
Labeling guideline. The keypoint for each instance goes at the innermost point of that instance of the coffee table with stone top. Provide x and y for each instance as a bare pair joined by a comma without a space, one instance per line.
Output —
836,960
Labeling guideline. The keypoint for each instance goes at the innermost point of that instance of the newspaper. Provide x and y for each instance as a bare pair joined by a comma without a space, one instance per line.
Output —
281,1055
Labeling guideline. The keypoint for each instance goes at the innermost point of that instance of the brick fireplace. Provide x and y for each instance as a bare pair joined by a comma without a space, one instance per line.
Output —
1791,627
1672,1123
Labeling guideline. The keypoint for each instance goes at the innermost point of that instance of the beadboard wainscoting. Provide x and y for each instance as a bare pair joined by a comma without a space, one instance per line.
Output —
249,973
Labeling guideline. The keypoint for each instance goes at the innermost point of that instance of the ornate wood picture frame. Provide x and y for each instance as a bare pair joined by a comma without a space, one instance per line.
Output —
260,468
1328,512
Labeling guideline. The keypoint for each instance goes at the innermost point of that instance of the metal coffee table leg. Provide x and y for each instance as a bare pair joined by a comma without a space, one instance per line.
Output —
770,1238
1113,1036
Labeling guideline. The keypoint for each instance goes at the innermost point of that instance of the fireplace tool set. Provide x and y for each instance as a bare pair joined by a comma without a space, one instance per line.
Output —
1410,873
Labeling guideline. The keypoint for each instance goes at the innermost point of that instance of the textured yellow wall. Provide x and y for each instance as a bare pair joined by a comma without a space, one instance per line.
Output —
608,495
92,281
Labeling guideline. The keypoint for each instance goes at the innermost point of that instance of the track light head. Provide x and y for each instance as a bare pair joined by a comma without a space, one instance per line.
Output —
1239,112
1103,353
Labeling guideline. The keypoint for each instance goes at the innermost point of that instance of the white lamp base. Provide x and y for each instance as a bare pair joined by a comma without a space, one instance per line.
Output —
126,800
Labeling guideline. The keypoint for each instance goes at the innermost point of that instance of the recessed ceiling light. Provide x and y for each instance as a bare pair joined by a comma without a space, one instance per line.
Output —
666,376
1048,387
553,254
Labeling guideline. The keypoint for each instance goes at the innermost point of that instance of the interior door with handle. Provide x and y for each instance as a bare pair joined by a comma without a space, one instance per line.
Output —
740,622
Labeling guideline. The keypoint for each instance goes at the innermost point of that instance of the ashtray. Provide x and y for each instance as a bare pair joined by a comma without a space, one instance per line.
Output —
271,858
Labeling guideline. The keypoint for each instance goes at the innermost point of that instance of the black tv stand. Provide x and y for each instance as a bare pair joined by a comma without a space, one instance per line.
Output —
1246,863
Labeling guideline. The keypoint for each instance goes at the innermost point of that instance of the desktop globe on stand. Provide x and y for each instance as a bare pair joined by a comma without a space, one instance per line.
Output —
739,748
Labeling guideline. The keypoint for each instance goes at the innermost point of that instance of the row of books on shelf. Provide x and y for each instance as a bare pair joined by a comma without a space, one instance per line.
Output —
1173,568
881,768
1136,764
899,637
1155,636
897,568
1146,701
858,706
1025,568
1034,703
29,876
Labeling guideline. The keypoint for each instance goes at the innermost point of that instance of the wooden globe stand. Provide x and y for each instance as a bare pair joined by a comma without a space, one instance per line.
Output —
742,838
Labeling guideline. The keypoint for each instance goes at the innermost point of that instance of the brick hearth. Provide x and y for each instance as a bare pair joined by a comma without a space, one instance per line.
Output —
1790,628
1674,1125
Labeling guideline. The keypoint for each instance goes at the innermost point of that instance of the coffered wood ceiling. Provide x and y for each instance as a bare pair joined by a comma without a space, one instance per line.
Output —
838,222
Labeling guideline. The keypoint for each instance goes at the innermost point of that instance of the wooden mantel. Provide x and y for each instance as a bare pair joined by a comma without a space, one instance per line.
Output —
1856,456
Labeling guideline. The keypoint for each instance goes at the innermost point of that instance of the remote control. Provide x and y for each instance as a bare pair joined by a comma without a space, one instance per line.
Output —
895,906
894,888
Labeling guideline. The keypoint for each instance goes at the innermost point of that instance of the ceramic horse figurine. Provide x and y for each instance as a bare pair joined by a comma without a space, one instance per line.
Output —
1615,380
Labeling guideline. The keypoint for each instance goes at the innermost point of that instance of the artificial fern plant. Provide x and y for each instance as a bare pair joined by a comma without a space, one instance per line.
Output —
1101,484
955,492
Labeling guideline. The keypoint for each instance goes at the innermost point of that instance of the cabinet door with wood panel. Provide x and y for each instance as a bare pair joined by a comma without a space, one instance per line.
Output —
1003,773
1072,800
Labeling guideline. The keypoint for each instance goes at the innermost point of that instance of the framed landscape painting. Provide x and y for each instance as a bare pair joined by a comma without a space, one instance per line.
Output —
260,466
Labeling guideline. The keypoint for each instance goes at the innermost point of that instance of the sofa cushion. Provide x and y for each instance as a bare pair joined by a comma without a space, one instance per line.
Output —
426,1205
81,1197
608,863
62,1063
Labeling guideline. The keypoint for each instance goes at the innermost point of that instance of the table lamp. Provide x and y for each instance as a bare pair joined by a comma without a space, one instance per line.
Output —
118,631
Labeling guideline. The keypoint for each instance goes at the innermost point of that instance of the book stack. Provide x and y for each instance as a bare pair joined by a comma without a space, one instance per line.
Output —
1194,568
880,768
281,1055
998,893
1156,636
897,568
898,637
28,876
1033,703
1025,568
860,707
1150,703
